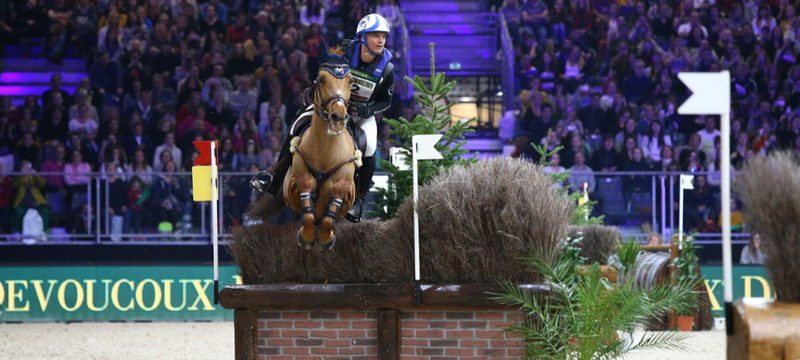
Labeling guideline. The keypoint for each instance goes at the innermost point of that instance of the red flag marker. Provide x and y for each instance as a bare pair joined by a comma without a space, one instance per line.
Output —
204,158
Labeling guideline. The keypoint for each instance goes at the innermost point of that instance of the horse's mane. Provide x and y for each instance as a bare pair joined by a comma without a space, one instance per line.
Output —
336,50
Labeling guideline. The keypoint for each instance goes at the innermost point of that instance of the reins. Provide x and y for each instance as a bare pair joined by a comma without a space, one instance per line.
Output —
313,92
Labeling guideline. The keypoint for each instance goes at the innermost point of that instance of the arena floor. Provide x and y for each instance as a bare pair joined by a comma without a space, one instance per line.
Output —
196,341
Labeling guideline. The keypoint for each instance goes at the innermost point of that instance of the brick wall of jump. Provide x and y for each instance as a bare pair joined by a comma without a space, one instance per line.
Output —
424,335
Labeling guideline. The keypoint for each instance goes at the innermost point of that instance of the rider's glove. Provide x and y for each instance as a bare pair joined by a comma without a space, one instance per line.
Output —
364,112
359,111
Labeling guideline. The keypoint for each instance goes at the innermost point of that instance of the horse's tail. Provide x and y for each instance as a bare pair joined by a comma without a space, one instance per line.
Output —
266,206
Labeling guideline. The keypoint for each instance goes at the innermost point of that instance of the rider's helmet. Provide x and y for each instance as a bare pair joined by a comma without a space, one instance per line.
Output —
372,23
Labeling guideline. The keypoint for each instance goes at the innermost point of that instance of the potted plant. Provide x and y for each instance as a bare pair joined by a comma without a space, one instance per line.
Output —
588,317
625,259
686,273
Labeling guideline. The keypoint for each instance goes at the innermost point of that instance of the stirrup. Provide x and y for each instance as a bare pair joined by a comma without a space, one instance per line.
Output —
356,211
261,181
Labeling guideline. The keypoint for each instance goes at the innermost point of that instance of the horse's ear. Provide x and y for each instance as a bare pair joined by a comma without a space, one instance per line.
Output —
322,51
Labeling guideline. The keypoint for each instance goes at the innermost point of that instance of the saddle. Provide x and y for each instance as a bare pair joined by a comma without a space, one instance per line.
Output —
358,135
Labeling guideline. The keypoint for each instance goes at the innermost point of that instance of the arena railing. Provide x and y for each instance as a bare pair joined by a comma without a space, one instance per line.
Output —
507,64
631,204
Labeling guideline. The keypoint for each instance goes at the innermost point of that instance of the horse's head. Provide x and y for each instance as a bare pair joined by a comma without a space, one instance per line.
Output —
332,96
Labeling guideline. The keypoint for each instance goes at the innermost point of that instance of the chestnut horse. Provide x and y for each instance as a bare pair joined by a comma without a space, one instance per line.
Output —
325,157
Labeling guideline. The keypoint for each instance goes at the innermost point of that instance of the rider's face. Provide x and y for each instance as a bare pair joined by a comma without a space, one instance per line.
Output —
376,41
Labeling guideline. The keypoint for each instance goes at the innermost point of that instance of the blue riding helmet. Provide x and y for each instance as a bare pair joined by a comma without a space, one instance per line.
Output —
372,23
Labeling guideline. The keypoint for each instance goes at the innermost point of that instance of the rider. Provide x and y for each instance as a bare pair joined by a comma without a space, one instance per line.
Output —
370,94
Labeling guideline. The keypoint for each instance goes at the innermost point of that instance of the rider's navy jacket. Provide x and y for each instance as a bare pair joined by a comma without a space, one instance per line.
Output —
373,83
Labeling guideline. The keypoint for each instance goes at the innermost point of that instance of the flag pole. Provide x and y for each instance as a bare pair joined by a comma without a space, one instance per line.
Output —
711,95
725,164
215,217
414,174
680,216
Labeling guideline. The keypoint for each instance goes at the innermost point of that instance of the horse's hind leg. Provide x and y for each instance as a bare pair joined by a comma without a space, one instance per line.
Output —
342,192
303,185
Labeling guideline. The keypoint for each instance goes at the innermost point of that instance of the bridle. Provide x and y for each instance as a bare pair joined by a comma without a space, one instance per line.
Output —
314,92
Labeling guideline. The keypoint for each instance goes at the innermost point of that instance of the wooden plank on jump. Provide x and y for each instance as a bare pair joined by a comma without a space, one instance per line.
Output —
245,325
388,335
365,297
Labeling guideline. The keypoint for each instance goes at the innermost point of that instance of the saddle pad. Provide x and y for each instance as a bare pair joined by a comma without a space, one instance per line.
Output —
358,135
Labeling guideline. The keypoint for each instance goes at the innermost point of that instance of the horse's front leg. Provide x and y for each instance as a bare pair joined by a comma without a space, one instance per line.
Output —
303,185
342,195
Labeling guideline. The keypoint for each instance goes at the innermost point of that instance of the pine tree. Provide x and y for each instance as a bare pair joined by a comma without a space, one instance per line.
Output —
432,121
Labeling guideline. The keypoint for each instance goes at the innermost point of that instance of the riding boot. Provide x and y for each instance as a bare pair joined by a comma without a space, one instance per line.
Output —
272,182
364,182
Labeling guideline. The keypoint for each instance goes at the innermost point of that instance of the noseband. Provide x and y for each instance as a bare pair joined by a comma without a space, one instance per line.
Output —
314,92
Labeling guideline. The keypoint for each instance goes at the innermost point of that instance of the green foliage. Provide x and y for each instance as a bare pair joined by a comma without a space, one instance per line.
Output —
627,253
686,269
433,120
581,318
579,216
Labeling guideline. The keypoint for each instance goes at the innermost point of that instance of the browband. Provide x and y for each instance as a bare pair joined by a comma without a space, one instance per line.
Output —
337,70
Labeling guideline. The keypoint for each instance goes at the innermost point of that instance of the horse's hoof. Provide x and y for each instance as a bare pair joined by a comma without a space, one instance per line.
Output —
304,244
329,246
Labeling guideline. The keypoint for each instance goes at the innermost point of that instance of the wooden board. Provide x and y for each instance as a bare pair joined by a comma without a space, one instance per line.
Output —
764,329
388,335
365,297
245,327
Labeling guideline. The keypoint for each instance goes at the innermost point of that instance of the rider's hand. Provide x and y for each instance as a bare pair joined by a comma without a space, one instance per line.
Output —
352,110
364,112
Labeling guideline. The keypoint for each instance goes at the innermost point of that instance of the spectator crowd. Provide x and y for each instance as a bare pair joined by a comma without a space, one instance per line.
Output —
160,75
597,77
600,77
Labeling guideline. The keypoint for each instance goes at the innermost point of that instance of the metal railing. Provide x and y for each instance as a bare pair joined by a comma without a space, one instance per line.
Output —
507,65
648,201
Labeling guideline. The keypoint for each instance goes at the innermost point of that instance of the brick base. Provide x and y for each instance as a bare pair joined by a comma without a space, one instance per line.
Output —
425,335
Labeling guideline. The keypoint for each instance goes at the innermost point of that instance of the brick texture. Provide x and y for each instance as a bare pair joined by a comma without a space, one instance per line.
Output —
301,335
459,335
426,335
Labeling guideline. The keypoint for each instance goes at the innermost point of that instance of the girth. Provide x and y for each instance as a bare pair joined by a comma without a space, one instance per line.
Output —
321,176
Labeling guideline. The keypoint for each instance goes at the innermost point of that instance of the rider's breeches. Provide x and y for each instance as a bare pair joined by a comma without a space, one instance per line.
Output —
370,128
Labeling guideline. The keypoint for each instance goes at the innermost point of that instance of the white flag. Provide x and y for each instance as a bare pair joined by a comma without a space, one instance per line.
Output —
686,182
424,147
711,93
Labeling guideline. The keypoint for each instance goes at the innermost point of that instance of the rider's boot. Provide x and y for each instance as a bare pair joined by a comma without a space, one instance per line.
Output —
272,182
364,178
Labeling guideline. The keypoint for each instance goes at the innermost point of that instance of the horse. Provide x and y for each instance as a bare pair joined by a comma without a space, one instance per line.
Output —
324,158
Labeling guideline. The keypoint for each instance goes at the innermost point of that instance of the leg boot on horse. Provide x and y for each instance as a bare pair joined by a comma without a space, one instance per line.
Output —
343,193
303,185
364,180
